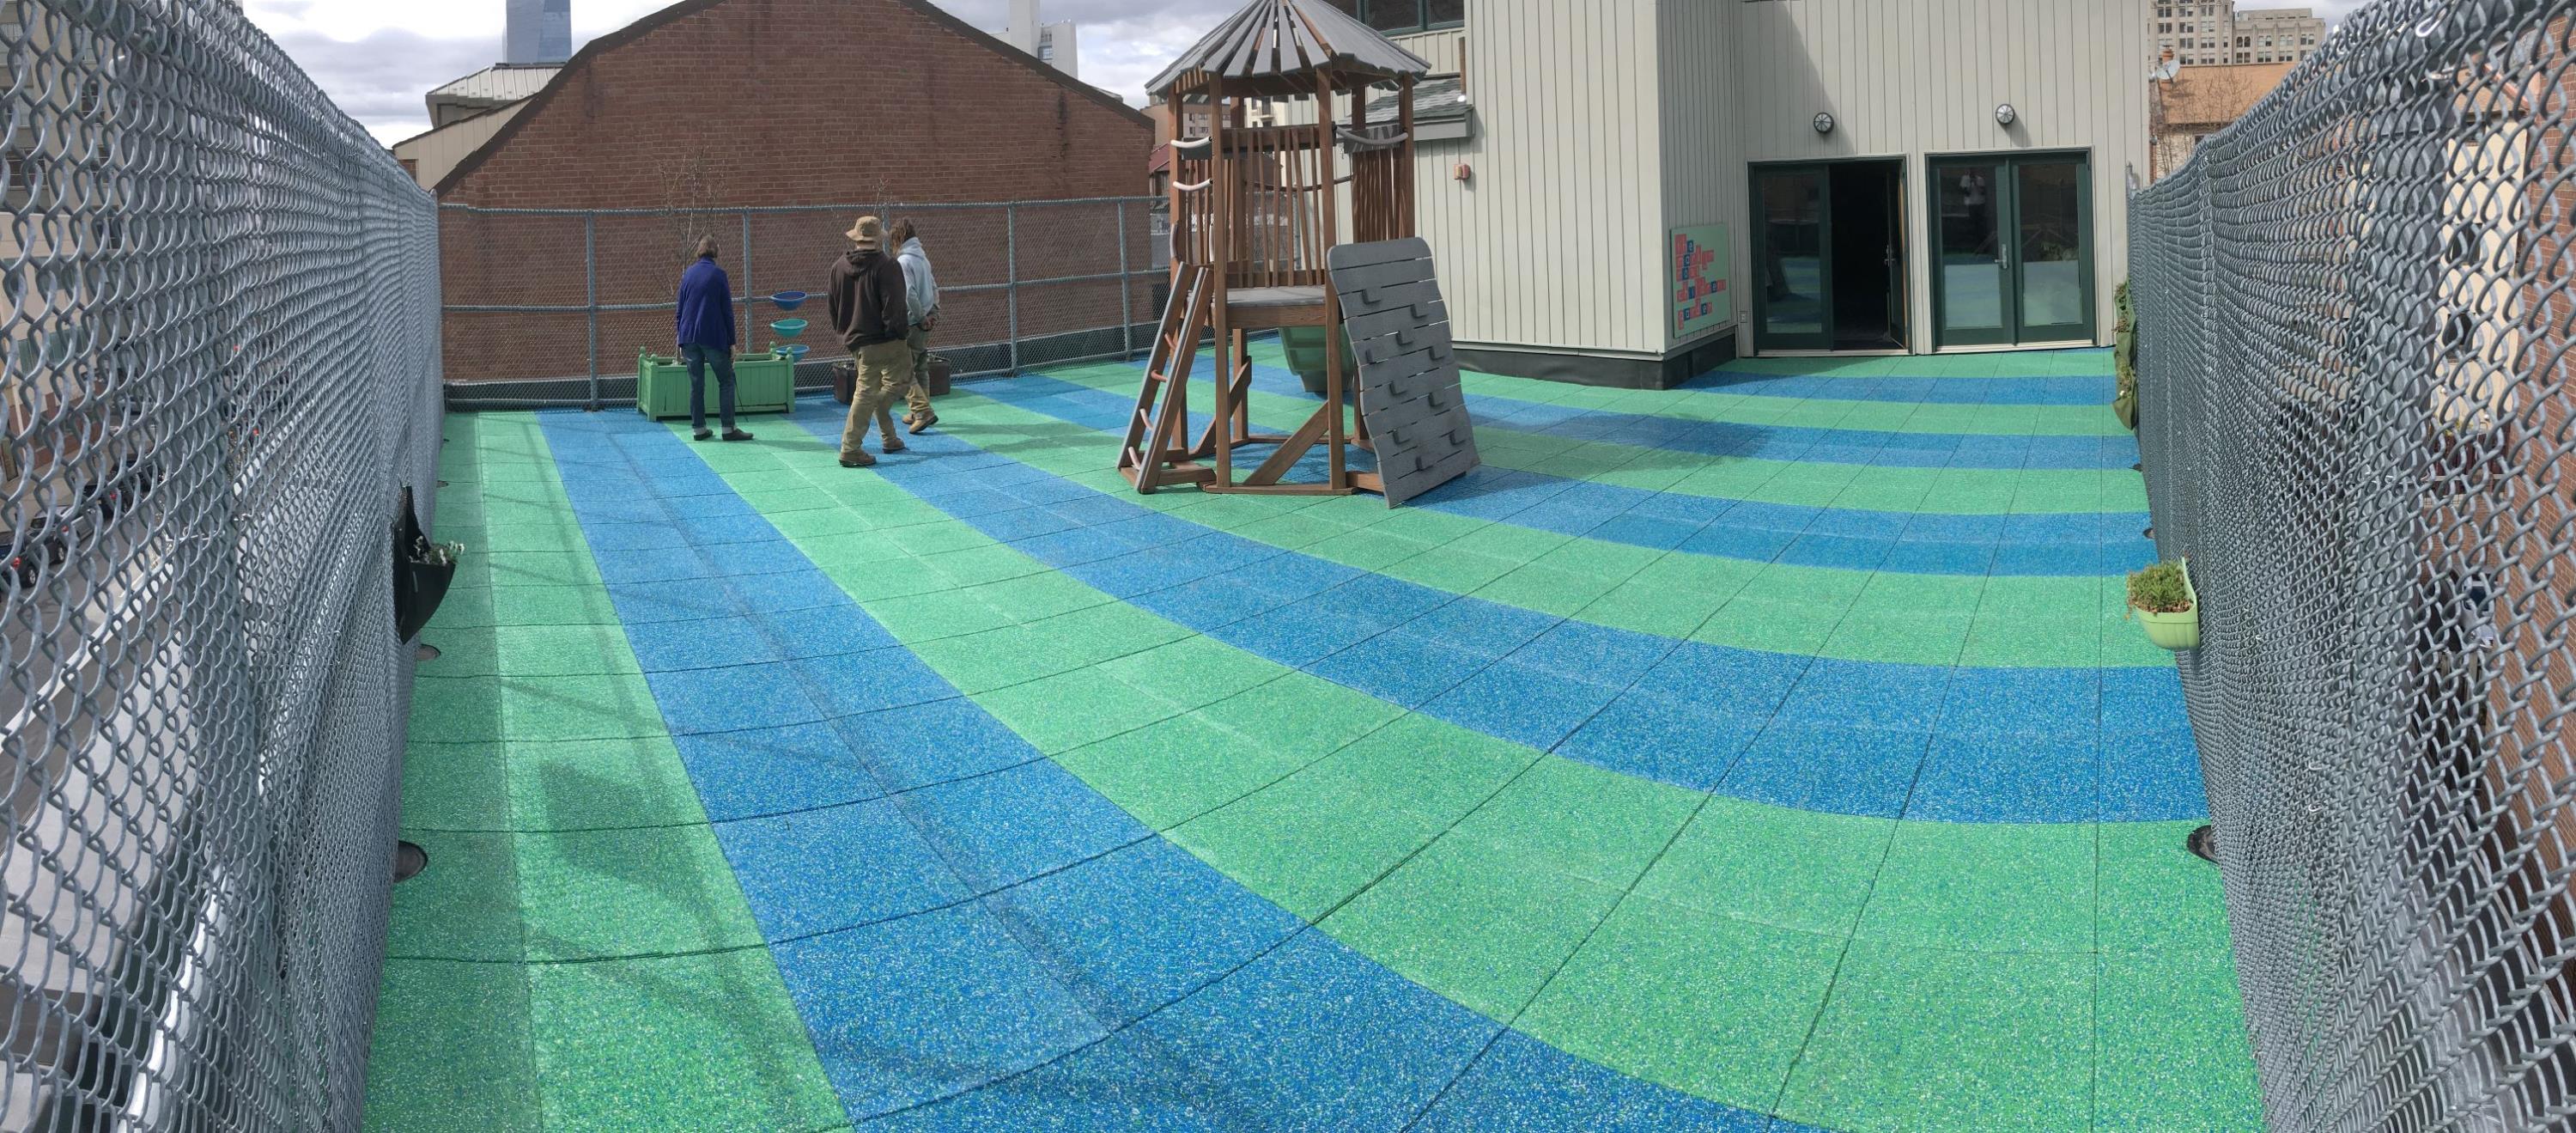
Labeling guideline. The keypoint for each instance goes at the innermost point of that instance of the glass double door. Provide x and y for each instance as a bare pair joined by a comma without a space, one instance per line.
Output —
2012,249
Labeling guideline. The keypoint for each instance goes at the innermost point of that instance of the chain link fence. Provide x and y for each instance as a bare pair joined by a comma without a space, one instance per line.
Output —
219,368
2354,315
551,307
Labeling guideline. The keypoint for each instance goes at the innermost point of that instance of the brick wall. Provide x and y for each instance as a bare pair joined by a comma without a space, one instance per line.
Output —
783,103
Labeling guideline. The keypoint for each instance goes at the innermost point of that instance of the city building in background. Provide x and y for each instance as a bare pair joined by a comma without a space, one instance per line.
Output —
465,113
540,31
2204,33
2199,101
1054,44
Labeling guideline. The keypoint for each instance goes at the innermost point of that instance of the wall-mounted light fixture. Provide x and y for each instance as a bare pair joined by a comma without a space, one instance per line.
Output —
2005,115
1824,123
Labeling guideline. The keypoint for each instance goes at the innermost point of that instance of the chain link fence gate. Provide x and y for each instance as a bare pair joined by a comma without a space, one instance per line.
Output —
219,367
2355,309
549,307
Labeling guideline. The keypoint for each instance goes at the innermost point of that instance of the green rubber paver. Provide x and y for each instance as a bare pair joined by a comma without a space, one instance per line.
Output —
1993,888
647,891
562,651
600,784
456,786
465,906
452,1051
1714,1006
1924,1038
1582,821
455,710
1484,927
1305,843
2154,901
2171,1043
609,707
1174,770
1425,768
1807,871
679,1042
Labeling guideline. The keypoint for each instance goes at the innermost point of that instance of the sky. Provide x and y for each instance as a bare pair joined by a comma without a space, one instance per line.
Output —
377,58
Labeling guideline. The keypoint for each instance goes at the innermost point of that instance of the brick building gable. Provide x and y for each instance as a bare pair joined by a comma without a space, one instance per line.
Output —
806,102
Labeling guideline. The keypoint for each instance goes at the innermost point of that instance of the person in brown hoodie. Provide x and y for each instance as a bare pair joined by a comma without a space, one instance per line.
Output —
872,314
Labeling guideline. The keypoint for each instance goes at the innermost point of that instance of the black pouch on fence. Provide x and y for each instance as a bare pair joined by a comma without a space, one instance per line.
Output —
845,382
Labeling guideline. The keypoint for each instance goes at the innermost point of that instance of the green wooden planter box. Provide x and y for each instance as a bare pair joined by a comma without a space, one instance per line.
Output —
763,383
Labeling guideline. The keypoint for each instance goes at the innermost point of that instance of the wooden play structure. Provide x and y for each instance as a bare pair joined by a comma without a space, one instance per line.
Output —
1256,213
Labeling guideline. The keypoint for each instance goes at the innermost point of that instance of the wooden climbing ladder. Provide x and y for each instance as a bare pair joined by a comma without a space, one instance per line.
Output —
1150,457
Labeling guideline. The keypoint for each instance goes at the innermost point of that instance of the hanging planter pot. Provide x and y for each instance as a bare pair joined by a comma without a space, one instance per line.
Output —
2161,599
423,570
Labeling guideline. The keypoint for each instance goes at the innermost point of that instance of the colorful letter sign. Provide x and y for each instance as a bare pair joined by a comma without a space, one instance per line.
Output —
1699,259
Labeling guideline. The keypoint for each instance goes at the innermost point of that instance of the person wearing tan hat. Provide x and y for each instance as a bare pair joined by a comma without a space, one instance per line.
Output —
871,311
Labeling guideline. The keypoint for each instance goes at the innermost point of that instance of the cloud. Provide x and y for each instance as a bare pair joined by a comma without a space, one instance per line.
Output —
378,58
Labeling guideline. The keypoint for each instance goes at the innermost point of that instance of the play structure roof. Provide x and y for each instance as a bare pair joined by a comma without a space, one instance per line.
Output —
1277,47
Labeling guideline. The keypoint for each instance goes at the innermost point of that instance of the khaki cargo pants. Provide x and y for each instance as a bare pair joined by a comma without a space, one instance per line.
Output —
917,399
883,370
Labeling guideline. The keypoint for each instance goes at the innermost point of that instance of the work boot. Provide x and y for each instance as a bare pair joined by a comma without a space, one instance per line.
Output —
893,446
706,435
862,460
921,424
736,435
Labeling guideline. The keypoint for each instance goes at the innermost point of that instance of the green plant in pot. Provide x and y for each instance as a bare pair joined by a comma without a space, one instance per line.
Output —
2161,598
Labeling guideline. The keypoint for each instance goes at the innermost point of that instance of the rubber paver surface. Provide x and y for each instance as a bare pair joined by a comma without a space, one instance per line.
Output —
1766,754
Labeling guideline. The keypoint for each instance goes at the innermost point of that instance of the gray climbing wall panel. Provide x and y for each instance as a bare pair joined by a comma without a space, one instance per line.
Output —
1409,389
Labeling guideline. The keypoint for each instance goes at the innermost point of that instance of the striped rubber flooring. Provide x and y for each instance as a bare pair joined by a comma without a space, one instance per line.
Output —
1639,782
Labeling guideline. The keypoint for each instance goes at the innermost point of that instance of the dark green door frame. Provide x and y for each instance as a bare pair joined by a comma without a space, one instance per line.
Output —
2006,188
1823,337
1765,337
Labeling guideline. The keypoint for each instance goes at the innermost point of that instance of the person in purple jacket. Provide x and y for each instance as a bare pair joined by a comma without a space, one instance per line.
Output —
706,338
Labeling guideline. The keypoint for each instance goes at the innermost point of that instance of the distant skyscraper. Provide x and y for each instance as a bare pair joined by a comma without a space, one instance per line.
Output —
540,31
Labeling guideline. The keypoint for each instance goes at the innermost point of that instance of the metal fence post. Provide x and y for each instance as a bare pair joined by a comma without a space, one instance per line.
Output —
1126,291
747,292
590,269
1011,297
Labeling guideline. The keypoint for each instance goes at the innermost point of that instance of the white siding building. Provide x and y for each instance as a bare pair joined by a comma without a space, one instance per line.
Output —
1850,163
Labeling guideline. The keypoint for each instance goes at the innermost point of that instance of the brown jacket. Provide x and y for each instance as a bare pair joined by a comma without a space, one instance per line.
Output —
867,299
